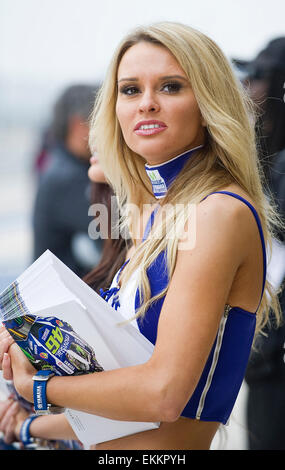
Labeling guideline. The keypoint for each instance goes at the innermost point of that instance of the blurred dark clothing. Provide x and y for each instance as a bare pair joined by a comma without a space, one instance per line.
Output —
266,369
265,412
61,210
267,72
265,373
267,360
278,186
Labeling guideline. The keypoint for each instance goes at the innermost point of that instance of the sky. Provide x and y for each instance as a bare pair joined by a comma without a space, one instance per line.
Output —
63,40
46,45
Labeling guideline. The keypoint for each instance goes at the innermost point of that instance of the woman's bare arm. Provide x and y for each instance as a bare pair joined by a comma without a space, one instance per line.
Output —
159,389
54,427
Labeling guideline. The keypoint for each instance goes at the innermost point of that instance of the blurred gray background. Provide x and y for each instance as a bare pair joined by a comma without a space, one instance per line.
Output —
46,45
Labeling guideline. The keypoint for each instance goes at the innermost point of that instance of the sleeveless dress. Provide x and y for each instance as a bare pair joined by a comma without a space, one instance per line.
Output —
223,374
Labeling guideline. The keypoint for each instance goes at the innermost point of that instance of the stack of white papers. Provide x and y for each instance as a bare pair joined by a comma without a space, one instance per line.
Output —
49,288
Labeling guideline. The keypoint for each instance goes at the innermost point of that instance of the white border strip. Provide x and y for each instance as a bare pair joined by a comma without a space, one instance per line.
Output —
214,363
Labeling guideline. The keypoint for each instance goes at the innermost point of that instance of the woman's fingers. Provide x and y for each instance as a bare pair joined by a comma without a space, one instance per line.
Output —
10,423
6,367
4,333
10,411
9,435
5,342
4,405
23,372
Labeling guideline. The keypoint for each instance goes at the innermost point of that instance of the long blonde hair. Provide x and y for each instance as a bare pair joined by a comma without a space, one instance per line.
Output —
229,155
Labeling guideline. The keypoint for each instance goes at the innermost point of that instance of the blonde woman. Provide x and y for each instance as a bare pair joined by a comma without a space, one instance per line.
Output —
173,128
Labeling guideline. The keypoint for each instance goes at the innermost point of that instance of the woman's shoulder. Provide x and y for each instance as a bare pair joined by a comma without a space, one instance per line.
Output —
225,220
233,189
224,233
229,204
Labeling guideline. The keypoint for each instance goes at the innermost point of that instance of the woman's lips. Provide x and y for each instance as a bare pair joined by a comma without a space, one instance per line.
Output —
146,128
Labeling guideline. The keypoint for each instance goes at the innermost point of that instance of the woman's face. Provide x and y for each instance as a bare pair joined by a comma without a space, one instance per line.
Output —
156,107
95,172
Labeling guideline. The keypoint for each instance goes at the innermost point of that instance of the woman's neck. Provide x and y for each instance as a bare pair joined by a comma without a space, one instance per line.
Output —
162,175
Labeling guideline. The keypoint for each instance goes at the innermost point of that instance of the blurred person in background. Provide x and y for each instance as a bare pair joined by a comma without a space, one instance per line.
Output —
266,370
41,159
60,215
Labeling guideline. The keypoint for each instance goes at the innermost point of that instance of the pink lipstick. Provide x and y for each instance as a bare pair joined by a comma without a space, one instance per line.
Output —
150,127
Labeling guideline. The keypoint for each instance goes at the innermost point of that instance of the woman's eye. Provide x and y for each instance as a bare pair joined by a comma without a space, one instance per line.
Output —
129,90
171,87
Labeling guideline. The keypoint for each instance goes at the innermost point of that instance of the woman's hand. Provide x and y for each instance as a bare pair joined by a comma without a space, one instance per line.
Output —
17,365
5,342
12,416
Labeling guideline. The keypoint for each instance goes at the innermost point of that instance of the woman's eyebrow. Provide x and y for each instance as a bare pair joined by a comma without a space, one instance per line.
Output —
169,77
165,77
127,80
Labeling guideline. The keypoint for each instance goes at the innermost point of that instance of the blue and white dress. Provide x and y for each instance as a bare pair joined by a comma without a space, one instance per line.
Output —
223,374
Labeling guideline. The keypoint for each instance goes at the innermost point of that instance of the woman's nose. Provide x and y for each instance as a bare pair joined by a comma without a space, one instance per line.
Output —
148,103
